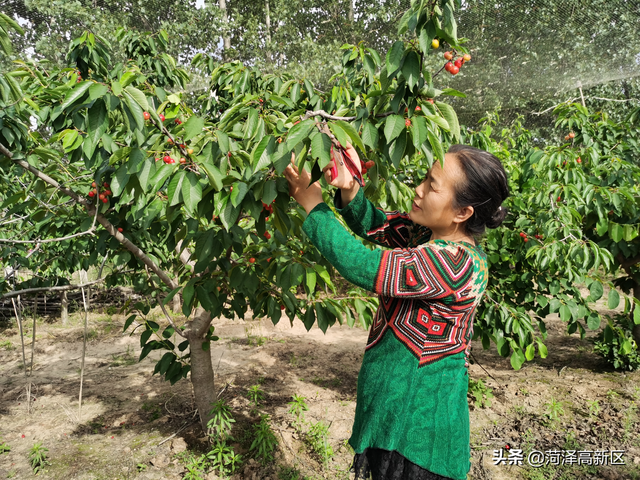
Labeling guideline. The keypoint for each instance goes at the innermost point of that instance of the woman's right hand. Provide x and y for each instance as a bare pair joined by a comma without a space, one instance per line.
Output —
344,179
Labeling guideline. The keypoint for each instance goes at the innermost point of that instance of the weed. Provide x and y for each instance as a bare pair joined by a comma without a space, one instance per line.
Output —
289,473
220,425
4,448
554,409
519,409
293,360
38,458
223,458
154,410
7,345
141,467
524,391
126,358
317,438
635,393
265,441
481,393
612,395
628,421
255,395
570,441
297,407
594,408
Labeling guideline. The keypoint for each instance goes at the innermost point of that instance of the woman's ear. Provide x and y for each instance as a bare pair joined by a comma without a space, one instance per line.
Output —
463,214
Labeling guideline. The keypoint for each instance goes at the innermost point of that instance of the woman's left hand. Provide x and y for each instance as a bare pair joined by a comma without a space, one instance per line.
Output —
309,196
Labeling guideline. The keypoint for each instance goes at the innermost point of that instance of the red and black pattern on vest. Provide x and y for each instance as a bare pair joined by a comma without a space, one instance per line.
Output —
398,231
425,302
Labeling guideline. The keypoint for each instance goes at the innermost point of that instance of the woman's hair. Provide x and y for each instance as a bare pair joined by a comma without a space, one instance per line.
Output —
484,189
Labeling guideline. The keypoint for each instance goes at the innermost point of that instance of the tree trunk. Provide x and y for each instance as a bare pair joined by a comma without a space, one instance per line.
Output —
202,377
268,23
64,307
636,328
226,37
351,12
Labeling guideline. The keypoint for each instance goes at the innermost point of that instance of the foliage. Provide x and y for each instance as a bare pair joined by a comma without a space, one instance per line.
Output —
255,395
223,458
317,436
265,441
297,407
554,409
38,458
221,420
608,344
4,448
481,393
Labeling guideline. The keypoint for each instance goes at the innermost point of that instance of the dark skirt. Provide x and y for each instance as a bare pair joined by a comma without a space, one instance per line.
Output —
385,465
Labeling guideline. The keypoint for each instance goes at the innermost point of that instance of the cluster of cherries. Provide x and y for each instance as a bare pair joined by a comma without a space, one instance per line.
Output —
454,68
524,237
365,166
570,136
104,195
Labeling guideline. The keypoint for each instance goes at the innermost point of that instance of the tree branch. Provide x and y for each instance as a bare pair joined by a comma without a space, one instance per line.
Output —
91,230
61,288
323,114
92,210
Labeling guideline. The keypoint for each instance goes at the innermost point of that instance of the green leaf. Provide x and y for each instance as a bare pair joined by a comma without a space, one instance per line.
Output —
436,146
356,141
542,349
614,299
530,351
596,291
97,90
517,359
213,173
139,97
174,190
453,93
419,131
270,192
593,321
397,149
450,116
193,127
75,94
309,318
298,133
311,281
191,192
135,110
251,124
438,120
370,135
411,69
119,180
321,149
146,173
323,317
615,232
425,38
565,313
394,57
260,157
128,322
240,189
393,126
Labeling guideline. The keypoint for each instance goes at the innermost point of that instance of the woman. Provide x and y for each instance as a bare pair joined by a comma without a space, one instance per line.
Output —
412,416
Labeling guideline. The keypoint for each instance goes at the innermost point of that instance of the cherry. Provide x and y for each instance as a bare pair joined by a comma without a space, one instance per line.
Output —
146,115
267,235
229,154
435,43
559,199
407,123
266,219
105,200
190,151
522,234
406,110
448,55
169,140
525,239
183,160
369,164
418,109
102,196
364,171
610,212
268,259
579,160
106,185
458,63
108,192
167,159
93,184
448,66
571,135
466,57
120,229
252,260
178,121
454,70
231,189
430,100
161,117
281,307
92,194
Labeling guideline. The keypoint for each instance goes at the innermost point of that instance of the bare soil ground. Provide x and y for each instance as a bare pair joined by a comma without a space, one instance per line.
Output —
127,412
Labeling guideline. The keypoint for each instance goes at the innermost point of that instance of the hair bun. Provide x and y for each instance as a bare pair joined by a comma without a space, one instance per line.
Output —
498,217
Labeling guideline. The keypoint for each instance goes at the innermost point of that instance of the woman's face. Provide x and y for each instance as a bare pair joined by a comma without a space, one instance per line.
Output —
432,205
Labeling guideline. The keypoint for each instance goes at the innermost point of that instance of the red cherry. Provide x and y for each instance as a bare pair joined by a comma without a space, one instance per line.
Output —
23,435
281,307
178,122
430,100
407,123
559,199
454,70
267,235
183,160
108,192
146,115
92,194
106,185
229,154
579,160
458,63
418,109
105,200
161,117
369,164
268,259
93,184
448,66
571,135
167,159
231,189
266,219
102,196
448,55
252,260
526,239
169,140
466,57
522,234
406,110
120,229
